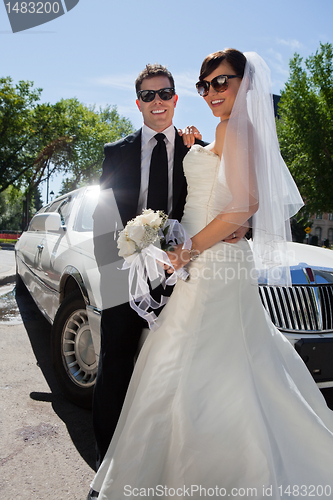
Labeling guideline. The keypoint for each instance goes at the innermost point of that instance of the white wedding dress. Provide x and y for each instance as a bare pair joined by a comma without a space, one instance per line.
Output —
219,404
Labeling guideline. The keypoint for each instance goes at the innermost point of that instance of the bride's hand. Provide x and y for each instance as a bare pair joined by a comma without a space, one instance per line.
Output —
238,234
178,258
189,135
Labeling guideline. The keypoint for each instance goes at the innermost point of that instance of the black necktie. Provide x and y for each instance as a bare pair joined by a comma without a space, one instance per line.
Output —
158,177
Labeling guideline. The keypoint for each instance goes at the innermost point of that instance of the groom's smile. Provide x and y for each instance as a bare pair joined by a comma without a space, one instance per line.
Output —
158,113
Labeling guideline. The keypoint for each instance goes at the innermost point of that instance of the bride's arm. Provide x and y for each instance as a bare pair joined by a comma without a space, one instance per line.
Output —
223,225
217,230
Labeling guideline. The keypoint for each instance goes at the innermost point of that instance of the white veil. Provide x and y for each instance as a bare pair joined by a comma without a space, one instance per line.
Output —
254,171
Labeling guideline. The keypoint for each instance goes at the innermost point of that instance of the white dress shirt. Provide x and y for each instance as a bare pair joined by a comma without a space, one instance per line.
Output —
148,142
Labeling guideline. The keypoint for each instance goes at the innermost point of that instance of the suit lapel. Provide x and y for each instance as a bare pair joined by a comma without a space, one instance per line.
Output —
178,172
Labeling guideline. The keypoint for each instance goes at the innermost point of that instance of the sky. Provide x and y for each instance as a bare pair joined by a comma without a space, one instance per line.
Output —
95,51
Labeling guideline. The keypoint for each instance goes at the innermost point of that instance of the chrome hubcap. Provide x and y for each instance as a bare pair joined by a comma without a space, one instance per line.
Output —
78,350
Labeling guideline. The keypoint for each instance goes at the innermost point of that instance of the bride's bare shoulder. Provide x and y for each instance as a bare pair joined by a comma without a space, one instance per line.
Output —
221,128
220,136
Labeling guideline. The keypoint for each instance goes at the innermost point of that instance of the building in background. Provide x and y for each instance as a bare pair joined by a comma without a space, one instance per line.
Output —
322,229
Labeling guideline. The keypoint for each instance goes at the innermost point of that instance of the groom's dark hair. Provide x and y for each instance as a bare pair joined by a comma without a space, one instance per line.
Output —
152,70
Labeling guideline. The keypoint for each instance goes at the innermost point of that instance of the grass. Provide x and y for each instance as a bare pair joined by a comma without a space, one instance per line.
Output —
2,240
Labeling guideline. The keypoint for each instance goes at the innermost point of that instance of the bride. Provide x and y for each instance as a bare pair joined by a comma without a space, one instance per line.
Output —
220,404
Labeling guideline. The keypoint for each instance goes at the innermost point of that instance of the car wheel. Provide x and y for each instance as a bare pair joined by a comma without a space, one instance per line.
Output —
73,353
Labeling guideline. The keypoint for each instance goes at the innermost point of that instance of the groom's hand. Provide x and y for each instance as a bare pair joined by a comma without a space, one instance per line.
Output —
189,135
237,235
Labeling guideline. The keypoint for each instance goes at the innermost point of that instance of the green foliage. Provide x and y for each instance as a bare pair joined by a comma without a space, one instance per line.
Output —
91,129
305,127
10,211
16,128
37,140
12,202
26,129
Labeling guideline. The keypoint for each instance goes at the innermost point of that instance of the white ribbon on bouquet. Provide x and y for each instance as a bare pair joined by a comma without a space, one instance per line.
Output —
147,266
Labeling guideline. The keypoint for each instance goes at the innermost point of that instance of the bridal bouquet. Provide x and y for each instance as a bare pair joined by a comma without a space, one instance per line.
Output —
143,245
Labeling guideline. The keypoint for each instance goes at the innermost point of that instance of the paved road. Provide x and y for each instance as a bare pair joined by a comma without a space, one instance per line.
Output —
47,445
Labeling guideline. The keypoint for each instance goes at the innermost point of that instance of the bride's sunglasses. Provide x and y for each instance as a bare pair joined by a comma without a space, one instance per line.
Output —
219,84
149,95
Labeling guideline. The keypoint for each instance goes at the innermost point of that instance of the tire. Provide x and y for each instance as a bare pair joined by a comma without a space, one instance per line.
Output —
73,354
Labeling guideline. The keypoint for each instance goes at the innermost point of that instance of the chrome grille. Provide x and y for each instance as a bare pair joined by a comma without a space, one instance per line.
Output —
300,308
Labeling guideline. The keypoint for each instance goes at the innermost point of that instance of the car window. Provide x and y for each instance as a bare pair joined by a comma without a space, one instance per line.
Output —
55,205
31,225
84,220
42,210
63,206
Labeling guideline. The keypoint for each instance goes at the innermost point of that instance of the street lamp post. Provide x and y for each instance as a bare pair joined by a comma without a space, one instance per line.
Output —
47,184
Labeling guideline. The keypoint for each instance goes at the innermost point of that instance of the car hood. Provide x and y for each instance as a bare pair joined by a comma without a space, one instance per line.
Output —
309,264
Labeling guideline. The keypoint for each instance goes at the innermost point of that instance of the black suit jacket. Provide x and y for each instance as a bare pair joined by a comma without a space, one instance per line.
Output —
122,173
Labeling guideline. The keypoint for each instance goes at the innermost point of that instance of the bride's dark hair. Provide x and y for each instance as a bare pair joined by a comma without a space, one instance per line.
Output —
236,59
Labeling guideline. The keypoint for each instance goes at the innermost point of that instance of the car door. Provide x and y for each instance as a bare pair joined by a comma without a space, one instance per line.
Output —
54,244
28,252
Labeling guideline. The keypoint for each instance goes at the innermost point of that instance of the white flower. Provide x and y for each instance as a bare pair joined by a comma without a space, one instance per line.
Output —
140,232
150,218
126,246
136,234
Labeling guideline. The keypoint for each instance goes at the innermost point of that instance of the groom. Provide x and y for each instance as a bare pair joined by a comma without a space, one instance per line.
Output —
129,169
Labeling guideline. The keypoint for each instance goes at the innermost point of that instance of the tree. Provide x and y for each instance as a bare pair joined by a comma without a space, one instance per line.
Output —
36,140
26,129
16,129
90,129
13,208
305,127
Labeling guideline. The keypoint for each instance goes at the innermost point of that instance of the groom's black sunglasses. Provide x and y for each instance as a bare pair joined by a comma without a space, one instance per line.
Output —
219,84
149,95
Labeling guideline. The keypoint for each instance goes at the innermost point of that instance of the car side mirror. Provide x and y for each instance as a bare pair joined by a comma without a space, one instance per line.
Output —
50,221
